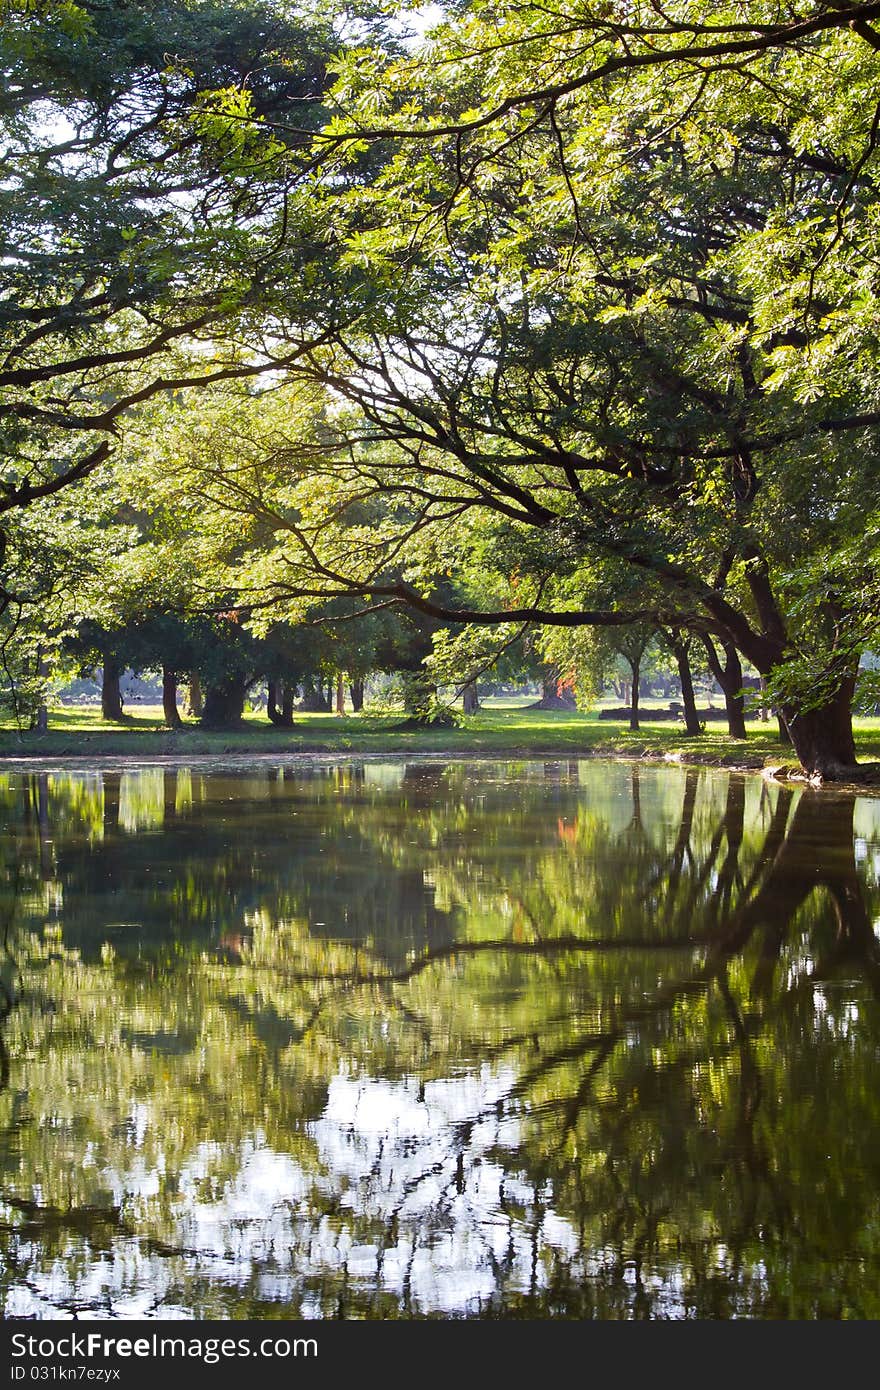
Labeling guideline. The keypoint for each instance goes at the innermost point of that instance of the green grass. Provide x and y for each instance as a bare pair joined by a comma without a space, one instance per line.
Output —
503,727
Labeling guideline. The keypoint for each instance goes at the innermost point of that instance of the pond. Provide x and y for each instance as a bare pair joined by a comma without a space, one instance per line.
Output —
438,1039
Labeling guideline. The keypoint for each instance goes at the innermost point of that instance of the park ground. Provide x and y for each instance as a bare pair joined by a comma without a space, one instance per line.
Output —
504,727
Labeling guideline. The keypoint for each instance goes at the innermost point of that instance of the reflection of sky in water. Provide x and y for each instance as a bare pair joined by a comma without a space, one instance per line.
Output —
397,1156
387,1156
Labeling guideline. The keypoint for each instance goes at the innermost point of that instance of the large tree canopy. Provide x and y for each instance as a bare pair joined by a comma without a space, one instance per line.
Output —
132,225
583,293
635,322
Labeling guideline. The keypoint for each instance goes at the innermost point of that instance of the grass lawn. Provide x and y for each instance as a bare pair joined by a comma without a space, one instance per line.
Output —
503,726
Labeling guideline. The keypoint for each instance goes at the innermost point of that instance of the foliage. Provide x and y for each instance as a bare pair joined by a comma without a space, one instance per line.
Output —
54,553
135,226
627,314
572,325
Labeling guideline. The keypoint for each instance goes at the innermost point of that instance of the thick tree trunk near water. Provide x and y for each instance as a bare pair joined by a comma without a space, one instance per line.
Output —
224,703
356,691
169,698
822,738
111,695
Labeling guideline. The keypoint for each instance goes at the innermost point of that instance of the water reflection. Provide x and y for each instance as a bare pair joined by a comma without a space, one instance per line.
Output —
551,1040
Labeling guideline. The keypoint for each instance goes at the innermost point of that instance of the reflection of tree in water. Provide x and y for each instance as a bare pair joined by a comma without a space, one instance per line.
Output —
639,1080
701,1097
152,858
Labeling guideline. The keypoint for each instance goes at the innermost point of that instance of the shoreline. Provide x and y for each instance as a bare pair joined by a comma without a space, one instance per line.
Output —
780,773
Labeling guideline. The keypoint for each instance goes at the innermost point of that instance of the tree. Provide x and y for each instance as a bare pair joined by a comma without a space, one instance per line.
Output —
52,555
96,647
135,227
625,313
679,644
212,484
631,643
536,59
635,328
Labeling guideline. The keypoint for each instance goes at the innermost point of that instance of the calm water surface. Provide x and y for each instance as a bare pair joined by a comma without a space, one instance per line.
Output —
458,1040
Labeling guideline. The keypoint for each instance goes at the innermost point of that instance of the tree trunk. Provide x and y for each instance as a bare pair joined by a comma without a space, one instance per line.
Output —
634,695
356,691
273,713
313,701
288,694
279,703
39,721
194,701
340,693
688,699
224,703
823,737
169,698
729,677
551,698
470,702
111,695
